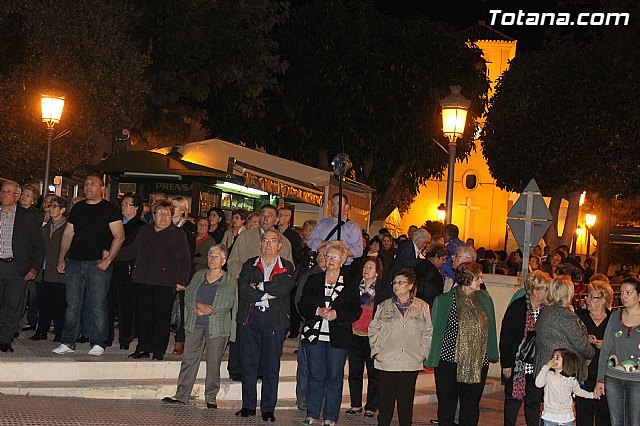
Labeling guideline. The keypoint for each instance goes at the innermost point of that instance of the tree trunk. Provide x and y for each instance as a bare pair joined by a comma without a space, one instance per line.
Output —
571,220
551,236
383,207
603,236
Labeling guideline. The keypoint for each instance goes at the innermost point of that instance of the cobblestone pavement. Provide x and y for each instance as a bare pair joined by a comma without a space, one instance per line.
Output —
30,410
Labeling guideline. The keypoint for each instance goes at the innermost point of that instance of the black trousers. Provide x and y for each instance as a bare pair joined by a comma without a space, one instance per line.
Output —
588,410
12,292
400,387
450,391
532,400
295,320
260,345
52,304
180,334
359,357
122,299
153,308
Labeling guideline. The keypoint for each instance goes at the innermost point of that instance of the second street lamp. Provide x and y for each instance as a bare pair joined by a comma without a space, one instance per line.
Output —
454,116
51,112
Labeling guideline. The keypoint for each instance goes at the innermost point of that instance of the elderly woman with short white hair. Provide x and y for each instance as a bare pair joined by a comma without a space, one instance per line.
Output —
211,302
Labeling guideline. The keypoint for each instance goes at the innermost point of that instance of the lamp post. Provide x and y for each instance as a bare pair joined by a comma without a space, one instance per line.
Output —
454,116
51,112
441,212
590,221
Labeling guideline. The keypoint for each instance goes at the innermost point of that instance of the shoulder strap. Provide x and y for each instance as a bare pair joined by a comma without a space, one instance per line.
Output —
335,229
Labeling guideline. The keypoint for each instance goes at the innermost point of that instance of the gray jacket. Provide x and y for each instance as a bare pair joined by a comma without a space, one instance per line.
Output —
559,328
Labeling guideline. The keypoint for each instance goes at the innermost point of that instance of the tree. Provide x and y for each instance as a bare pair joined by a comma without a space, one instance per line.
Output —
566,117
91,59
367,84
205,52
145,66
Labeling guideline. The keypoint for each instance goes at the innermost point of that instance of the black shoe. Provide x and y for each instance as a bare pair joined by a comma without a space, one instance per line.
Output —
140,355
245,412
27,328
38,336
293,335
352,411
158,357
171,400
6,347
268,416
124,346
236,377
82,339
212,405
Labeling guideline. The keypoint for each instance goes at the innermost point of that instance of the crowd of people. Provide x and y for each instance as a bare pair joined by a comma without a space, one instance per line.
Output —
390,307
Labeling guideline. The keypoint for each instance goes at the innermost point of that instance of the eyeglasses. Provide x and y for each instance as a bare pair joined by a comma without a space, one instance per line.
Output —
54,206
129,204
588,296
269,240
332,256
162,213
6,191
215,256
400,282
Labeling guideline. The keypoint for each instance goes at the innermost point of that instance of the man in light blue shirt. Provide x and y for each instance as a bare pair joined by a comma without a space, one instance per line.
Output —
350,233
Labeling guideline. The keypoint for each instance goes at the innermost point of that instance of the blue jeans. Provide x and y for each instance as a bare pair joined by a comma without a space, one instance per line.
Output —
623,397
85,320
326,373
550,423
81,275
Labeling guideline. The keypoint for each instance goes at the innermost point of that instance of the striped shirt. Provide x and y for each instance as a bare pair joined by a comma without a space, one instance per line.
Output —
7,220
324,327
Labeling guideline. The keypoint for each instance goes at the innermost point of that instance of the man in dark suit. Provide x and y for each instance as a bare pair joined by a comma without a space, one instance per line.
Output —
21,257
408,251
264,289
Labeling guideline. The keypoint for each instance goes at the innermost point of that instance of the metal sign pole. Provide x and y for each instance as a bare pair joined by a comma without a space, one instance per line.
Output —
526,247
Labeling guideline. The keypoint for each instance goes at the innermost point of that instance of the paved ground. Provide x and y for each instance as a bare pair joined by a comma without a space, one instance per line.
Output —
29,410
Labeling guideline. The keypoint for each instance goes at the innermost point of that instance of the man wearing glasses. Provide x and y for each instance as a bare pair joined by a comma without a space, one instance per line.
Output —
264,289
94,227
247,246
21,257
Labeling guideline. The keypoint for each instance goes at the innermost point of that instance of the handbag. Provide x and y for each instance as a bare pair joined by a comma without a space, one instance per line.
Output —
527,349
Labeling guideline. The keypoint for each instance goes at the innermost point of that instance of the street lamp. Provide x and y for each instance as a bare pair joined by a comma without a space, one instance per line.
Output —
590,221
441,212
51,112
454,116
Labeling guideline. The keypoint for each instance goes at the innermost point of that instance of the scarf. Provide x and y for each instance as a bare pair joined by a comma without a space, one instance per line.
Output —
402,307
473,335
366,297
519,379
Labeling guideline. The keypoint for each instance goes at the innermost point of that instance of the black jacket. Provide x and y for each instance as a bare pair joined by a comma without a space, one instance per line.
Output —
27,243
430,281
162,258
346,305
280,285
512,331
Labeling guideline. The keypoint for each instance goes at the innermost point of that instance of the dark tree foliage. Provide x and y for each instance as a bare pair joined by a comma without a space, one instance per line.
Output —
84,50
205,52
148,66
567,116
367,84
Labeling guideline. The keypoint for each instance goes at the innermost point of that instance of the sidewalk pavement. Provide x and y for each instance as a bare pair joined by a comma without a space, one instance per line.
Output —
30,410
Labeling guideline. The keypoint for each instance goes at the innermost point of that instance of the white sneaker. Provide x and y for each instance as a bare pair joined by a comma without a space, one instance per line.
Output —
96,350
62,349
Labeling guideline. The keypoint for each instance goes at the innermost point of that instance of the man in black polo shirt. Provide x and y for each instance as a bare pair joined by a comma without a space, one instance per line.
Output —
92,239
